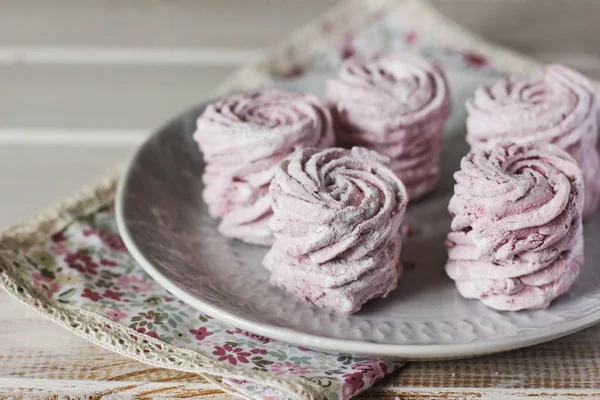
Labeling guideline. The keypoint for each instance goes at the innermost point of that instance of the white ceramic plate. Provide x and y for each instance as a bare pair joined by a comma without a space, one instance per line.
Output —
165,226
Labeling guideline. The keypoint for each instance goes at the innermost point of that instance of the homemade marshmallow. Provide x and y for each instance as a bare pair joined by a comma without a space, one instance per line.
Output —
243,137
517,238
397,105
337,215
557,107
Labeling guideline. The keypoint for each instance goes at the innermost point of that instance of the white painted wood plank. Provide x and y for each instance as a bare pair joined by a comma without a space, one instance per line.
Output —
20,328
557,26
586,63
84,389
97,97
34,177
521,24
468,393
72,137
162,23
125,55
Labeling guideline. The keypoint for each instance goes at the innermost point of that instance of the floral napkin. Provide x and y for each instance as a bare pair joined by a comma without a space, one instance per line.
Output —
87,266
71,264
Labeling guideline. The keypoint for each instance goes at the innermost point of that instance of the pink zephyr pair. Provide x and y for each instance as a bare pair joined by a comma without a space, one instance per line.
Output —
333,215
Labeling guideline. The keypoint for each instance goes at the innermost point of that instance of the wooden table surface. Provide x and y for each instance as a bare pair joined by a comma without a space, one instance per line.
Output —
82,83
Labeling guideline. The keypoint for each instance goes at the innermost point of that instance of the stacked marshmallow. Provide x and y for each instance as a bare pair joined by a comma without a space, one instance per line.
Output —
558,107
336,222
243,138
397,105
517,239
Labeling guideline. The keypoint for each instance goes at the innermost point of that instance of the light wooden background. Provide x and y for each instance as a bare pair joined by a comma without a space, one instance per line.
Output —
83,82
